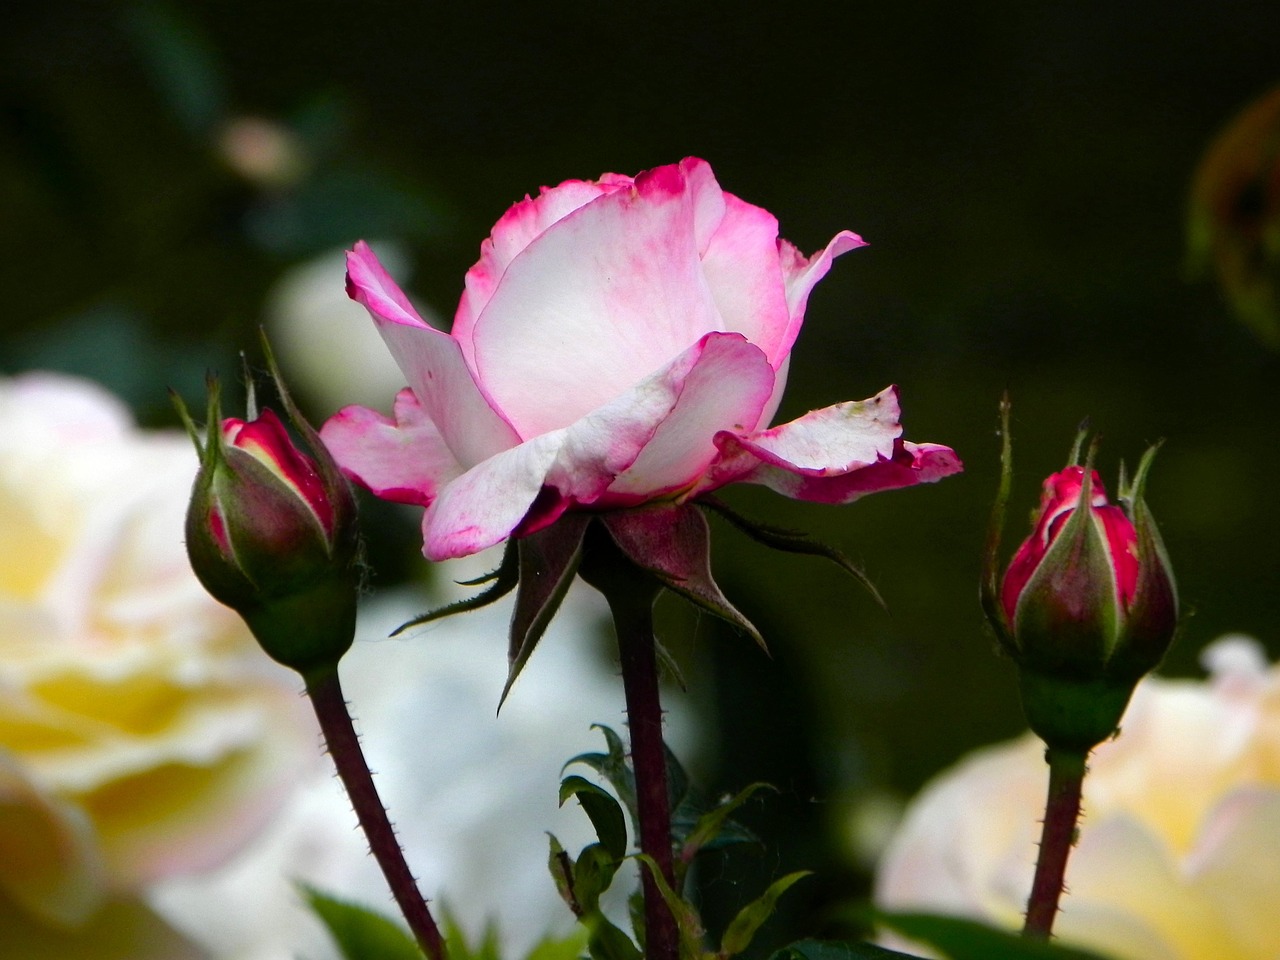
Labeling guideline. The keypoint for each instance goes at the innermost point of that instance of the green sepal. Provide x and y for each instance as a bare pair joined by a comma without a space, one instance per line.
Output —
1073,714
738,935
673,544
791,541
502,581
548,561
989,587
358,932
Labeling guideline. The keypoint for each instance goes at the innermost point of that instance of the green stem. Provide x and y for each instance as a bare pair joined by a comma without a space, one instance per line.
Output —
1061,814
344,746
631,593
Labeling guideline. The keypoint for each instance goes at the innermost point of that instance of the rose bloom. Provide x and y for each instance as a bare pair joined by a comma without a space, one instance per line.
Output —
142,733
619,342
1180,839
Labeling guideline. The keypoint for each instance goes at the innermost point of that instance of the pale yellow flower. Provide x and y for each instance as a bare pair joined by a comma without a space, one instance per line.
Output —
1179,852
142,734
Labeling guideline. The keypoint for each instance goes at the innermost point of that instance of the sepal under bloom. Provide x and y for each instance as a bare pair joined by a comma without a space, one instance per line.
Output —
1087,606
271,533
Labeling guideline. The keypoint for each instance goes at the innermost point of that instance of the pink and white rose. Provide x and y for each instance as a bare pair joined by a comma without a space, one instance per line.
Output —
619,342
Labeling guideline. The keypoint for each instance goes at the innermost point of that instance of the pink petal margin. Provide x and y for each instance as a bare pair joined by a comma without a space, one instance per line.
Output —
402,458
834,455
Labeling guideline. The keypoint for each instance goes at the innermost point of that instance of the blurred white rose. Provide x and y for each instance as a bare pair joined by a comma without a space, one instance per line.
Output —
1179,851
142,734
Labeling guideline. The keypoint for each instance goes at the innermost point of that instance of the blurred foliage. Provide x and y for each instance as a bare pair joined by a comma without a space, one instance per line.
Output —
1022,172
1234,222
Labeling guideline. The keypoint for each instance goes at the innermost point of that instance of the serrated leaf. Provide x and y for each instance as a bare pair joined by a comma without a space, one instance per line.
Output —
964,939
709,826
836,950
605,813
613,767
360,933
737,936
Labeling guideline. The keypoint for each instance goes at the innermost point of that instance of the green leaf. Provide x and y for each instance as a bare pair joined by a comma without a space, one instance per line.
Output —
832,950
964,939
561,866
688,923
360,933
592,874
604,811
606,942
737,937
460,947
613,767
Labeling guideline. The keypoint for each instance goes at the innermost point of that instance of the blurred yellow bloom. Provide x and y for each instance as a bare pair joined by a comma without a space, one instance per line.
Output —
1179,852
142,734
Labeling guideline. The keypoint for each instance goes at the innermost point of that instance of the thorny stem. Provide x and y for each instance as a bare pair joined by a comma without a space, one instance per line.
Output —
631,593
344,746
1061,814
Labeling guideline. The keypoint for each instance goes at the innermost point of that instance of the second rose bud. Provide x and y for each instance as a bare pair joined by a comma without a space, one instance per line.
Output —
1088,604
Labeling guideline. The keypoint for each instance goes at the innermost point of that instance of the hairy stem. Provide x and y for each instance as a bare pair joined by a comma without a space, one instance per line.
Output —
1061,814
344,746
631,593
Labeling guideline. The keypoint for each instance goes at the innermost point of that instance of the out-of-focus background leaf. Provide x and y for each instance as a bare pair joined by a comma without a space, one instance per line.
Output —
1021,171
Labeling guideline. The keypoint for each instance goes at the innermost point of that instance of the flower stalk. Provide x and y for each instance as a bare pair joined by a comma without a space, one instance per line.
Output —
1058,835
325,693
631,592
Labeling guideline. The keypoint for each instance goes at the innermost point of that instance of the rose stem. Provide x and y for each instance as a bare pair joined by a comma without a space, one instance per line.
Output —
326,696
1061,814
631,593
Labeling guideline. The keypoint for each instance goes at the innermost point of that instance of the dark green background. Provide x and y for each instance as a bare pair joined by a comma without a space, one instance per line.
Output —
1020,170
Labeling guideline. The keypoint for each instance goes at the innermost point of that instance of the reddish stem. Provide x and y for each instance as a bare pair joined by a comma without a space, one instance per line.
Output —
631,593
1061,814
344,746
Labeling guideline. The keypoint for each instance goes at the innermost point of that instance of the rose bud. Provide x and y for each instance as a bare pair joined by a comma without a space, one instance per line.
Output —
271,532
1087,606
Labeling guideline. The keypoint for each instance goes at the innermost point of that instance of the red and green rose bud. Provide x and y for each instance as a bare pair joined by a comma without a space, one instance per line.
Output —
1087,606
271,532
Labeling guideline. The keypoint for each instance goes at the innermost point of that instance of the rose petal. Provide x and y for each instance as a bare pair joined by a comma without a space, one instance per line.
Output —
833,455
433,364
401,458
484,505
800,274
516,229
724,389
602,299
